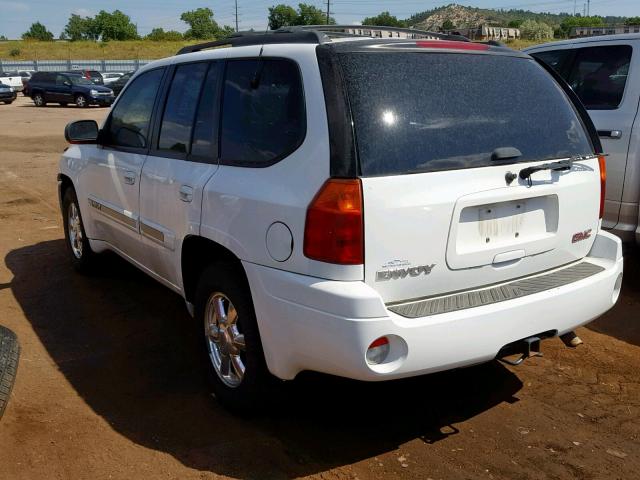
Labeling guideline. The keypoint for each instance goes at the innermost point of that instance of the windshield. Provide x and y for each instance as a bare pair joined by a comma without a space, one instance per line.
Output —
422,112
80,81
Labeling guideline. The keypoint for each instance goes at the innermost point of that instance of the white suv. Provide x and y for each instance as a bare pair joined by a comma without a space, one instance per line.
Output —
373,209
604,72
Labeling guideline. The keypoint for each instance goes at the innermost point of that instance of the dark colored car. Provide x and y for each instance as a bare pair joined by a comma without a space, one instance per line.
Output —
7,94
66,88
92,75
120,83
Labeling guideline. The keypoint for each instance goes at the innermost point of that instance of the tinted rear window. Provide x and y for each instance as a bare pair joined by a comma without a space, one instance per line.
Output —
422,112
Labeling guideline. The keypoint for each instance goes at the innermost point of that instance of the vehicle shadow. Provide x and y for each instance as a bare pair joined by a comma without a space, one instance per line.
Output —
130,350
621,321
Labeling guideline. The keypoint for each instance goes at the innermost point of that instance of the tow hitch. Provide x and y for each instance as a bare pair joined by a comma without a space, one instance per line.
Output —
526,348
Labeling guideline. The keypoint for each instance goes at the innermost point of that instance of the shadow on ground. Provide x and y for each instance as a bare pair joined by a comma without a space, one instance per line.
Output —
127,346
623,320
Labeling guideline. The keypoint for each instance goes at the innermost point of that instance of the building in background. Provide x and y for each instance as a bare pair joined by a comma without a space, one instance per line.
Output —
488,32
577,32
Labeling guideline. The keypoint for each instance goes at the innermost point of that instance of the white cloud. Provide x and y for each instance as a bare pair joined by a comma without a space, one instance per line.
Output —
14,6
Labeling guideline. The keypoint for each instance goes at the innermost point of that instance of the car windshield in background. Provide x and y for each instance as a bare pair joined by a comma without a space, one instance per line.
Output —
76,80
425,112
9,74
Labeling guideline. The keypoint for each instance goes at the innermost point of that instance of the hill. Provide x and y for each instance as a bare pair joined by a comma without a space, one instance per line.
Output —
465,17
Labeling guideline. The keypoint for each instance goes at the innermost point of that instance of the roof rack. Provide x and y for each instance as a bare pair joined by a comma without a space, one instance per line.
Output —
242,39
342,31
314,34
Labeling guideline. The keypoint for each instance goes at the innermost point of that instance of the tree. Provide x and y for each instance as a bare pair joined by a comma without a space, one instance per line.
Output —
285,16
448,25
113,26
385,19
159,35
3,38
579,21
514,23
282,16
532,30
38,31
80,28
202,26
632,21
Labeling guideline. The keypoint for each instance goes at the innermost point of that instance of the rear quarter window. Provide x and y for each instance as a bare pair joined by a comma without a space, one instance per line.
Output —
423,112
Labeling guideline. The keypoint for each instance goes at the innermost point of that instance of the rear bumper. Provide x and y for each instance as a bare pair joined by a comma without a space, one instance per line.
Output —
308,323
8,97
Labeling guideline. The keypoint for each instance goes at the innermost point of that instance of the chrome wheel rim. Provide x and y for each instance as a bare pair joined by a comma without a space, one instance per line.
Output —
75,230
37,100
80,101
224,340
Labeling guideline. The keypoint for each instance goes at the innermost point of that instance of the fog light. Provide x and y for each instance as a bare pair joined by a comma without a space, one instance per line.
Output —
378,351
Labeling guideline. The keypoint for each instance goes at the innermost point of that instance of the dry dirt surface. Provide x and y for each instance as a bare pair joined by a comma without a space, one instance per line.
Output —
110,384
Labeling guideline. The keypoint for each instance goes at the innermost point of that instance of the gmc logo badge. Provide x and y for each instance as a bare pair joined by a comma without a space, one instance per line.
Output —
580,236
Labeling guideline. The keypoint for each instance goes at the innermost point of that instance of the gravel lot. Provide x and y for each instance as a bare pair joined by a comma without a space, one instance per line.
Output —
110,384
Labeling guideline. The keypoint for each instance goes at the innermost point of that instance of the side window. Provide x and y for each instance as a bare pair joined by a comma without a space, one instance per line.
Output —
599,75
205,131
130,118
60,79
180,109
553,58
263,112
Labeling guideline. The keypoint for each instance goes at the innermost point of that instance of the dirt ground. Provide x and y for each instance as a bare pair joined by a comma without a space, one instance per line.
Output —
110,384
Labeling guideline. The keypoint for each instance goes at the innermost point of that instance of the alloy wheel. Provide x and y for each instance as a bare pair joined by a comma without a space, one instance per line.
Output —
74,225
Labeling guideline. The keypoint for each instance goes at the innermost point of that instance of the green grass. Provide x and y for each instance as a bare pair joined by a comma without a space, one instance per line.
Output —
129,50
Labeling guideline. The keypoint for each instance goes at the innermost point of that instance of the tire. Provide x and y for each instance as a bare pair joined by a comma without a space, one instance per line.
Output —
8,103
81,101
80,253
256,386
9,354
38,100
64,104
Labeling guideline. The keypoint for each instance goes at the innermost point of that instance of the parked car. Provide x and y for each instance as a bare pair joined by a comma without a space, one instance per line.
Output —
372,208
93,76
7,93
110,77
120,83
26,76
13,79
605,73
64,88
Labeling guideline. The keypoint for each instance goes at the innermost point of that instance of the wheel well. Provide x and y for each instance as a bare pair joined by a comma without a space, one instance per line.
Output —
197,254
64,182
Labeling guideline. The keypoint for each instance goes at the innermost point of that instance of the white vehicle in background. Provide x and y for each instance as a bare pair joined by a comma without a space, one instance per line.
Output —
368,208
12,79
604,72
110,77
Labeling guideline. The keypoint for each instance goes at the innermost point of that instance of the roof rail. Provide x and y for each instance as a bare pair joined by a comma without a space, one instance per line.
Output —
339,30
242,39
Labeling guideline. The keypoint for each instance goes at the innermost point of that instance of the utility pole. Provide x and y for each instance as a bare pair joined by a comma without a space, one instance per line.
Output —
574,7
328,10
588,7
236,15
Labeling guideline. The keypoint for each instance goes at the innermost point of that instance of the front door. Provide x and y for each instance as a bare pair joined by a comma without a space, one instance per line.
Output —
113,174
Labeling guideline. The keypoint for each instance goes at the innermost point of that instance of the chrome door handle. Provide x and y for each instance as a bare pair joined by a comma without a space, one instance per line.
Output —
186,193
610,133
129,178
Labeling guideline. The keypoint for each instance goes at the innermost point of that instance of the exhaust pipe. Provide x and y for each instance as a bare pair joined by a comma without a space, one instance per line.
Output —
571,340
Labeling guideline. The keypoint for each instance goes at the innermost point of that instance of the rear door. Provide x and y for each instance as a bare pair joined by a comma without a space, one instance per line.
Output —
183,158
598,73
440,137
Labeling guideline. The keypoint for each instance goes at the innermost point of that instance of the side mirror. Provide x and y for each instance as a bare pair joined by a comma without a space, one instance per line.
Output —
67,83
81,132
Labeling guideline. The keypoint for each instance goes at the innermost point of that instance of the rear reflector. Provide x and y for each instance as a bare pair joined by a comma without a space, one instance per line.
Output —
378,351
603,182
333,231
452,45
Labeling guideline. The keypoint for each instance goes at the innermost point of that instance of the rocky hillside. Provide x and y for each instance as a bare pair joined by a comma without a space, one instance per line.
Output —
463,17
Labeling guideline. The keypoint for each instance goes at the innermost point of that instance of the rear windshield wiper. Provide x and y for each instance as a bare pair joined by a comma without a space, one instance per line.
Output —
525,173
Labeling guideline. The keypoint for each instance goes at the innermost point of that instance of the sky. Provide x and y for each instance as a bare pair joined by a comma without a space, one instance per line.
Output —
17,15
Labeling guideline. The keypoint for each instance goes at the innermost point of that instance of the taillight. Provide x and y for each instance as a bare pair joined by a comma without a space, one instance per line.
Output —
333,231
603,182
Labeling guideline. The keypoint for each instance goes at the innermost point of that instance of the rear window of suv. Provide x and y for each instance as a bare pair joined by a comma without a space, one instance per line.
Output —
425,112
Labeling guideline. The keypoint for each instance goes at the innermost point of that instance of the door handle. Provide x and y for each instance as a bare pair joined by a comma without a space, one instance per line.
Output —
610,133
129,178
186,193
